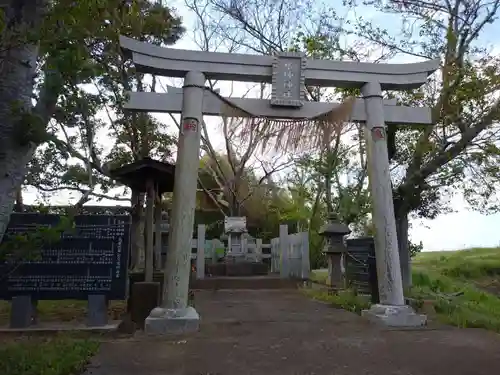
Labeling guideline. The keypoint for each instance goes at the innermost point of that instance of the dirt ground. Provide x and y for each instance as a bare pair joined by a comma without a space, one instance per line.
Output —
283,332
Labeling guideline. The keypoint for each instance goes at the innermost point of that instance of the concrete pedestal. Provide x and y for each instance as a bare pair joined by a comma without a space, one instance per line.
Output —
21,312
145,297
395,316
162,321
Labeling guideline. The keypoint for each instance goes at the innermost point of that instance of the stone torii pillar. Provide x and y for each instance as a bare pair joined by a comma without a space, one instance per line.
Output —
392,309
175,316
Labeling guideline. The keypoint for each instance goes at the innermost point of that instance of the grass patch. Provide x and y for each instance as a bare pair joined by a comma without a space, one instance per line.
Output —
473,272
471,264
319,276
64,311
475,308
46,356
346,300
463,287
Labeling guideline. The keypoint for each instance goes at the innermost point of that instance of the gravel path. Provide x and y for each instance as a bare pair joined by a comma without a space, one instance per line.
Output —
283,332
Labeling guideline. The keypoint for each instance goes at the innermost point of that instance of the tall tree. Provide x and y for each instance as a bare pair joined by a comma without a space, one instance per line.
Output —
131,136
19,29
428,164
259,26
460,153
239,171
86,131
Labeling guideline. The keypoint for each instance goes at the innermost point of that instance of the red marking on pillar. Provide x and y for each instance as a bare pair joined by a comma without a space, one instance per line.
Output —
378,133
190,124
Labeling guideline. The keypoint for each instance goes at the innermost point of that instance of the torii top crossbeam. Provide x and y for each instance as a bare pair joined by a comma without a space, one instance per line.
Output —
288,73
172,62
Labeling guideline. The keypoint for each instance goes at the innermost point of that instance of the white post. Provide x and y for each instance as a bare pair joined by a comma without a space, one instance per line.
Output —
244,247
305,261
392,309
158,212
175,315
297,266
293,254
149,233
200,252
258,249
215,243
284,252
274,254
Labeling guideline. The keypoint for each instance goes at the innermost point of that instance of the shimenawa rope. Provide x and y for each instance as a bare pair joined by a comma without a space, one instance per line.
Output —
289,134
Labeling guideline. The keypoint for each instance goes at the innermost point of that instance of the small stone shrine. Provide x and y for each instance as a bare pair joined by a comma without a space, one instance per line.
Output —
239,259
236,229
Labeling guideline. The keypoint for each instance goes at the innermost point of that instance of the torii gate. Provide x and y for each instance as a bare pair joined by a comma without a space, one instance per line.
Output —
288,73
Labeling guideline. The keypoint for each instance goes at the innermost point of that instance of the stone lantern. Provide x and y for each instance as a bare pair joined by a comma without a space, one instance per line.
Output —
334,249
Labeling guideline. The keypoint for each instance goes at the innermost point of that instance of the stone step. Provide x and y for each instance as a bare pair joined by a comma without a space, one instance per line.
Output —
237,269
244,282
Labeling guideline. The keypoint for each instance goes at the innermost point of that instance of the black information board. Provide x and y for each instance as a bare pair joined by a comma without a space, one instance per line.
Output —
359,253
91,258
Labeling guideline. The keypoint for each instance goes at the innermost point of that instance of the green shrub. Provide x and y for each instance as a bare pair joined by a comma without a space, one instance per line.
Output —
316,256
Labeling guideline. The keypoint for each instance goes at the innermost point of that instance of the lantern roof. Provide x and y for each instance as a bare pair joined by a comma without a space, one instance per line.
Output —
333,227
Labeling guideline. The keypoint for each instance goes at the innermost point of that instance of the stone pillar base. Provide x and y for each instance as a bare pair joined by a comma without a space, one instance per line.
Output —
144,297
162,321
394,316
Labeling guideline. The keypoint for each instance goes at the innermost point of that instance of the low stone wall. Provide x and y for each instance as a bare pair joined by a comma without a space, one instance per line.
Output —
236,269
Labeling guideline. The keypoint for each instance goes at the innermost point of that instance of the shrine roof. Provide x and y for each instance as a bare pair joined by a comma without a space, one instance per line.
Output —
136,174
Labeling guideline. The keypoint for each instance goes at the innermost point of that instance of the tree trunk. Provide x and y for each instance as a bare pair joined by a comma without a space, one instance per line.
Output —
17,73
402,224
137,231
19,203
234,202
328,194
